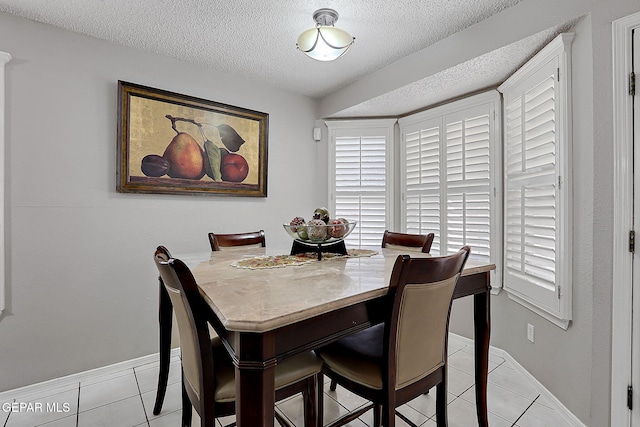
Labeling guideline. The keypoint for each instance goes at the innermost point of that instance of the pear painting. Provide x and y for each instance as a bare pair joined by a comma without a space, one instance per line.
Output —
176,144
185,157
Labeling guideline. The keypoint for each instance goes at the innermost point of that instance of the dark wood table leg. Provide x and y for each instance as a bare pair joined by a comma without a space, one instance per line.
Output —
255,369
482,332
255,396
165,319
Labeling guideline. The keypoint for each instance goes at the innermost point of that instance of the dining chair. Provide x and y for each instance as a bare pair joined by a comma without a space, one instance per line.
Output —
165,320
407,240
398,360
165,311
392,239
239,239
208,373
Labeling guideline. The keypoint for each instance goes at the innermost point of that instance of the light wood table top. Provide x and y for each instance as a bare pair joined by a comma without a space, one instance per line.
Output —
260,300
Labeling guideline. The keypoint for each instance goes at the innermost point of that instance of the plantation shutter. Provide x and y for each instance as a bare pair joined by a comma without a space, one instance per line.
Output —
422,180
468,181
450,169
537,182
359,178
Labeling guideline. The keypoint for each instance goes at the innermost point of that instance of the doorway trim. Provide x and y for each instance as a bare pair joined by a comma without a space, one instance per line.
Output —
4,58
622,220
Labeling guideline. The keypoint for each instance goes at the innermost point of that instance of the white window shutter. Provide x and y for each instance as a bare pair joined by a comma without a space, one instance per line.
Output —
360,181
450,177
468,181
422,181
537,233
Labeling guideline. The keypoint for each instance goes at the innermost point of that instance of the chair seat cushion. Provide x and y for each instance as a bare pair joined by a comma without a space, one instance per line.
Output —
290,371
357,357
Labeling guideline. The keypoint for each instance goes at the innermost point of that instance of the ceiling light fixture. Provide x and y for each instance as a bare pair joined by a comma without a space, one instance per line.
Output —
325,42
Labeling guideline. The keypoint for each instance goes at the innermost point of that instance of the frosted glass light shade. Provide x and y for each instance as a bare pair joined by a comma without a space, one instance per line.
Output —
324,43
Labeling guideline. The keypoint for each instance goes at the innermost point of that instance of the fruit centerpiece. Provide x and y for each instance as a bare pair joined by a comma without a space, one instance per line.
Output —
321,232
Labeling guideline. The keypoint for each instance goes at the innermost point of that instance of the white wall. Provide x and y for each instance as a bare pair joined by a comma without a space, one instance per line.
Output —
575,365
81,284
561,360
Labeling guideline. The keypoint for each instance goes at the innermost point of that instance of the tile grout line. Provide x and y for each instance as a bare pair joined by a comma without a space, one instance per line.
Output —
109,403
8,415
496,367
405,419
144,408
523,412
326,394
78,408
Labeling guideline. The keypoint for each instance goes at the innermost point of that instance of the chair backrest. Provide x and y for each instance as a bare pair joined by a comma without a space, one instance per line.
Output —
218,241
416,331
422,242
195,341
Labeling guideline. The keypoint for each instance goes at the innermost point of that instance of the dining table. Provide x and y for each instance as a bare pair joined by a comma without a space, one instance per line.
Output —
267,305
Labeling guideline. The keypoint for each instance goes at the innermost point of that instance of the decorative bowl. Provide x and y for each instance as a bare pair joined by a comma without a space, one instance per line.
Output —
320,234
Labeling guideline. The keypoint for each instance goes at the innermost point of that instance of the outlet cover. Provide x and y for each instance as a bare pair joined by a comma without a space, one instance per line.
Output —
530,332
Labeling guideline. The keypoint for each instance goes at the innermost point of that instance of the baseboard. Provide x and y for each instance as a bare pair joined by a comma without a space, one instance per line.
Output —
75,379
555,403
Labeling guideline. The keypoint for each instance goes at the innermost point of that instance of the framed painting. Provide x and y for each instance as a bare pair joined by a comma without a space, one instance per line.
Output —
177,144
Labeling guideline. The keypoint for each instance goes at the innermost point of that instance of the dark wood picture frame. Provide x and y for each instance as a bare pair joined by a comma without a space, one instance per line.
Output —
177,144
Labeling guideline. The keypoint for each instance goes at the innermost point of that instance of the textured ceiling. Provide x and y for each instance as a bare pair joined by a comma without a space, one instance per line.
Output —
256,40
485,71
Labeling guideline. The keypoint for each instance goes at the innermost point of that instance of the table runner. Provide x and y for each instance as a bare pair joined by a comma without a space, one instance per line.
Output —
276,261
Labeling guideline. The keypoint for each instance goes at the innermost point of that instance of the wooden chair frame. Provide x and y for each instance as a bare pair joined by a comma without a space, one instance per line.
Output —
205,404
218,241
406,271
165,317
423,241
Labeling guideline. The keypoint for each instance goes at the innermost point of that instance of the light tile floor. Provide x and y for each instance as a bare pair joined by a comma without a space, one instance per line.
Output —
125,399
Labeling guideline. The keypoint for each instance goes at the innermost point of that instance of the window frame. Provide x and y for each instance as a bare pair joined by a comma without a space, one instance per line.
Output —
557,50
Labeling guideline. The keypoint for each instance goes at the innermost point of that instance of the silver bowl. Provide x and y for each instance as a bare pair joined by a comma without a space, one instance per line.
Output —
320,234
